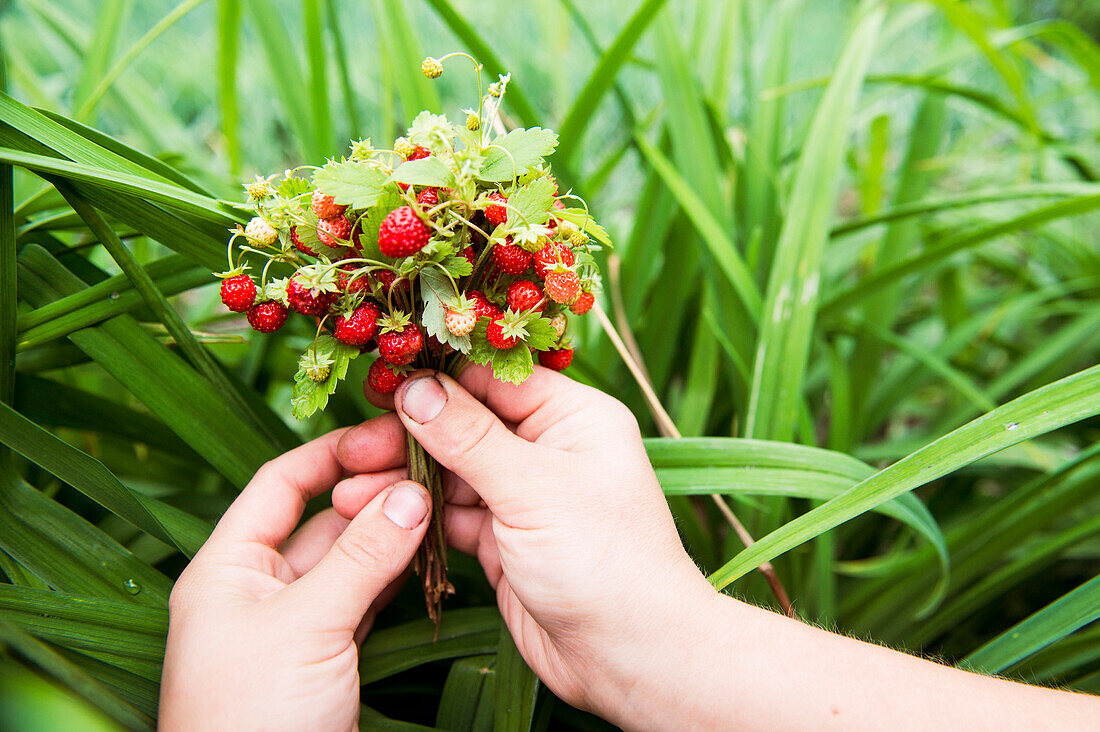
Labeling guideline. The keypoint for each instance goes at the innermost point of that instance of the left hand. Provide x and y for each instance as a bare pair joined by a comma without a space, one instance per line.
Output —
264,625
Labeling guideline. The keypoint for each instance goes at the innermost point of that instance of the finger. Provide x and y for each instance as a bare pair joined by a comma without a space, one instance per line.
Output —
544,399
269,507
375,445
312,540
469,440
384,598
462,526
374,550
350,496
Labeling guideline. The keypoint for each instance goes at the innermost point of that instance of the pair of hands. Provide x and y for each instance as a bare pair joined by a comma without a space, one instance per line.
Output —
547,484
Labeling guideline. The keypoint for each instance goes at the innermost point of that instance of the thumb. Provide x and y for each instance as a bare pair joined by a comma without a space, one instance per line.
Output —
374,550
470,441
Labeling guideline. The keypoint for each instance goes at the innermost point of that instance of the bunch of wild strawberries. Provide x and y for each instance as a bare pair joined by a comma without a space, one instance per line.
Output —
455,246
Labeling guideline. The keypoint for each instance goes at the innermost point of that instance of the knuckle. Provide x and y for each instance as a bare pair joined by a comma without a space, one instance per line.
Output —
365,550
476,438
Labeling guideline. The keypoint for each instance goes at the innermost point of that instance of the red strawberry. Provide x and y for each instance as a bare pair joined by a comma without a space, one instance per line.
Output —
383,378
331,230
497,338
353,286
524,295
554,252
298,242
402,233
399,347
238,292
428,197
386,278
482,307
563,287
511,259
358,328
470,254
497,215
419,152
556,358
267,316
325,207
460,322
583,303
304,301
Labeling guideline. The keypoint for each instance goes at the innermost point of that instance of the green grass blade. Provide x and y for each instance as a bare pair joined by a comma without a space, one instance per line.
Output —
936,254
1064,402
286,73
94,480
572,127
713,233
515,688
351,109
317,58
462,632
68,552
229,30
1073,610
73,677
136,50
792,295
466,702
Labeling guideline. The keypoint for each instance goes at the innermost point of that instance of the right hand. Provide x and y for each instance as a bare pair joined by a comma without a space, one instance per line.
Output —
550,488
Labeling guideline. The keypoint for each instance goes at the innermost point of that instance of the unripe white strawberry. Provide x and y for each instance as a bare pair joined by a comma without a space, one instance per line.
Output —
460,322
558,321
259,231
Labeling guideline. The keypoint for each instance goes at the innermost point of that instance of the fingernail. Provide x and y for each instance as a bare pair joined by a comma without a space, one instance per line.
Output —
406,505
423,399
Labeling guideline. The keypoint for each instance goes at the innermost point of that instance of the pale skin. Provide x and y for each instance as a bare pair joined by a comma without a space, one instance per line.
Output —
548,485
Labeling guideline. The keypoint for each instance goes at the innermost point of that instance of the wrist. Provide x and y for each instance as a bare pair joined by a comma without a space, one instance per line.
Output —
652,676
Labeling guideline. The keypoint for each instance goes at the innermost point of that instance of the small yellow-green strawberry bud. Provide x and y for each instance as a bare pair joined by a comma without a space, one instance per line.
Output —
431,67
472,122
578,239
259,231
361,149
403,147
318,373
258,189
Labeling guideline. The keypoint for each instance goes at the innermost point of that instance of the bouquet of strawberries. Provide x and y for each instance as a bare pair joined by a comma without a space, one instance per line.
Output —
456,246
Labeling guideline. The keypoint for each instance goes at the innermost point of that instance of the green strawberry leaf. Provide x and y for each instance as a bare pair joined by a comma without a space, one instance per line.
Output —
310,396
522,149
437,292
457,266
293,187
481,351
513,364
433,131
540,333
429,171
531,202
350,183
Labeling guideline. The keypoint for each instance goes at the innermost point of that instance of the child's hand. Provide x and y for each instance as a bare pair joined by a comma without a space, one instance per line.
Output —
265,625
576,538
